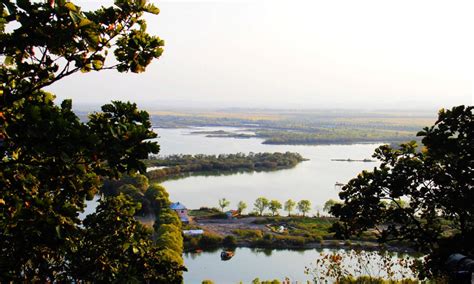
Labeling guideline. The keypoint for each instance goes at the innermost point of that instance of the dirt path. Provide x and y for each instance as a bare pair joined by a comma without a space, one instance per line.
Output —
225,226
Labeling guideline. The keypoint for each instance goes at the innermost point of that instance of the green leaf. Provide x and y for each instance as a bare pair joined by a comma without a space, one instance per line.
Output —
150,8
97,64
76,17
2,24
85,22
93,38
58,231
49,97
125,246
86,68
8,60
71,7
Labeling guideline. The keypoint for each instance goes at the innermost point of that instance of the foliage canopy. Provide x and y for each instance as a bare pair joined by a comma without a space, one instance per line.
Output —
428,194
260,205
304,206
51,161
289,206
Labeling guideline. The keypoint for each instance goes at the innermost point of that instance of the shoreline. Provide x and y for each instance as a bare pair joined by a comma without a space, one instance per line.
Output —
260,232
330,244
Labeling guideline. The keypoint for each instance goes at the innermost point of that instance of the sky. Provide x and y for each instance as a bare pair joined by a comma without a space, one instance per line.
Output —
368,54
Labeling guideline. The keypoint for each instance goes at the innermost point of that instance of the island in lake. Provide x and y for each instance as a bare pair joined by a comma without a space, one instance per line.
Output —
182,165
352,160
223,134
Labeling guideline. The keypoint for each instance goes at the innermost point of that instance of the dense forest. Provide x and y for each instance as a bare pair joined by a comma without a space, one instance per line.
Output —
175,165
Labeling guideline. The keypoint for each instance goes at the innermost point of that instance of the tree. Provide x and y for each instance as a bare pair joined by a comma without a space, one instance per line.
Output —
158,198
304,206
123,249
223,203
435,186
261,204
274,206
52,161
329,204
289,206
241,206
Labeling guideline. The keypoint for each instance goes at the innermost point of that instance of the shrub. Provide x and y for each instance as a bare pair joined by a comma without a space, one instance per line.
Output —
374,280
247,233
317,239
219,215
257,281
229,241
210,240
191,242
334,268
293,240
268,237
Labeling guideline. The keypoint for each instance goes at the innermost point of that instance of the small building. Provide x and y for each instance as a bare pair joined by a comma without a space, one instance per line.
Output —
181,210
232,214
193,232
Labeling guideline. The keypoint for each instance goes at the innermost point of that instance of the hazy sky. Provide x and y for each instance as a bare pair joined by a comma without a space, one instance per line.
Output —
298,54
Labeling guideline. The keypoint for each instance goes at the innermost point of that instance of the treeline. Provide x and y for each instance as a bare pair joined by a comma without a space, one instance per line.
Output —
334,136
299,120
179,164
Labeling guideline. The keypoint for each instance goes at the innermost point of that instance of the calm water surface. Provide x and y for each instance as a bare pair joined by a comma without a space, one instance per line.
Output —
248,264
314,179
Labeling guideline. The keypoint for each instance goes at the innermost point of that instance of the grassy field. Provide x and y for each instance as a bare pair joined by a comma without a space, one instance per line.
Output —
305,127
266,231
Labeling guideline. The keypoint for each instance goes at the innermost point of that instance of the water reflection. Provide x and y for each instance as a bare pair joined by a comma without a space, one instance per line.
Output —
267,252
250,263
217,173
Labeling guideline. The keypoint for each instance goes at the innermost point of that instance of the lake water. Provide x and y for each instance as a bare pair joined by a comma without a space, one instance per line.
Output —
248,264
313,180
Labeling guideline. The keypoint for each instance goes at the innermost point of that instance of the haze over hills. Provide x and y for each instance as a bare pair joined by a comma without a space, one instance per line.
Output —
299,127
